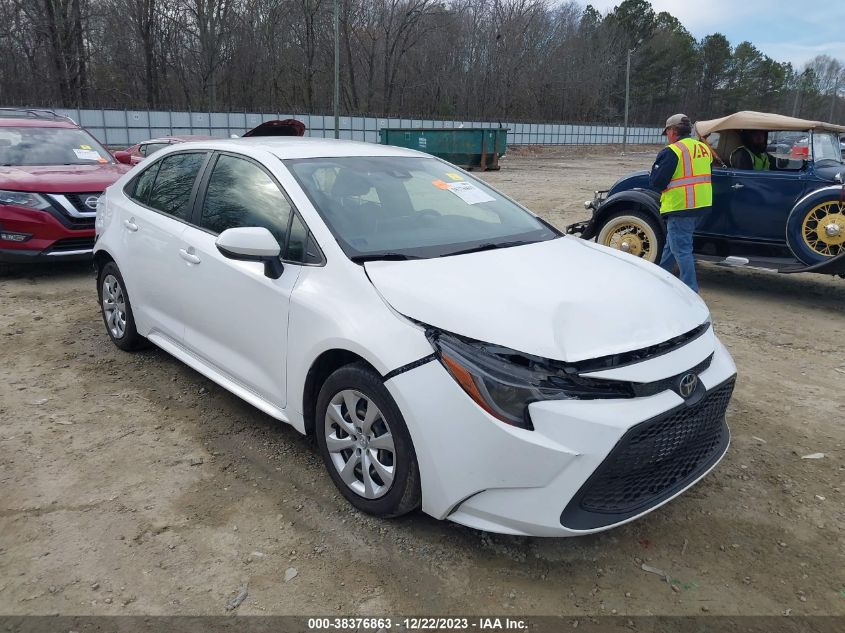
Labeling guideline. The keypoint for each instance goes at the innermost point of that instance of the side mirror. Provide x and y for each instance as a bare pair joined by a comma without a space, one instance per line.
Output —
123,157
252,244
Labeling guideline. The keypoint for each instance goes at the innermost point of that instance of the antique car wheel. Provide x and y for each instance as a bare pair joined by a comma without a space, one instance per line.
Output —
816,231
632,231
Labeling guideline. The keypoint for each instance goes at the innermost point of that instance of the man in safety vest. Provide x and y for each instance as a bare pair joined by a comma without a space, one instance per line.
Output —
752,153
681,173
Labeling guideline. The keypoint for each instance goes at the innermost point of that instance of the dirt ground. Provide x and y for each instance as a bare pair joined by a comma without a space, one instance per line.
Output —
130,484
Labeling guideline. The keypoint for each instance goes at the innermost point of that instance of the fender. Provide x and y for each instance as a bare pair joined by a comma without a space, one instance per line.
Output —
632,198
824,192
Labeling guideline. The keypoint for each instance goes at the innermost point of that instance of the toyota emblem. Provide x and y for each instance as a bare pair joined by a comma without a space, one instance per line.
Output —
687,385
91,202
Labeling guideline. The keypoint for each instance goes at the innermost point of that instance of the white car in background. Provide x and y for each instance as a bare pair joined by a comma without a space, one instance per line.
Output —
447,348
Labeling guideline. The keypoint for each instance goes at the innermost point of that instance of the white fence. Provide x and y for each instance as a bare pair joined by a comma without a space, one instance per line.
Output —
126,127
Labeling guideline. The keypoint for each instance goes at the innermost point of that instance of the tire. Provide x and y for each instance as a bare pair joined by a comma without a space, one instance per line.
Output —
344,442
633,231
116,309
815,230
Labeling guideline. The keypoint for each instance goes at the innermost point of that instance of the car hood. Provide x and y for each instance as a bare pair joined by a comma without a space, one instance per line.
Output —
563,299
829,170
634,180
60,178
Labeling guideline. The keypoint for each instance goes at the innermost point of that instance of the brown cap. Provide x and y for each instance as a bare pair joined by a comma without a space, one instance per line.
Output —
676,119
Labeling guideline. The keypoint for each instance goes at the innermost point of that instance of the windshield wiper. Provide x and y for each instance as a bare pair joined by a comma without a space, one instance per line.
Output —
490,246
385,256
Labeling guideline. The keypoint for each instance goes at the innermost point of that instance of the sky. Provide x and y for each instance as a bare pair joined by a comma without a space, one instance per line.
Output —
787,31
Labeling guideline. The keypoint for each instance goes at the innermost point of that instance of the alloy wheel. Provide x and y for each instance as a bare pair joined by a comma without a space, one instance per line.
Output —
114,306
360,444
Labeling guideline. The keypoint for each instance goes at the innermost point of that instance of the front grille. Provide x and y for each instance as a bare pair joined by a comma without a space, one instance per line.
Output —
73,244
653,461
78,200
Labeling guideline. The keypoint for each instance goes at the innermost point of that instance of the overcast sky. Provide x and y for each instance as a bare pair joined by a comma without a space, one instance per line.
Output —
787,31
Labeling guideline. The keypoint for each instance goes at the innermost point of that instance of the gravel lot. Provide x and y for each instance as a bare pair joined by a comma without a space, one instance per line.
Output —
130,484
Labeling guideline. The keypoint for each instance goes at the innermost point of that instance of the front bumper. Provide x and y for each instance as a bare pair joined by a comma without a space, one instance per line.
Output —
487,475
586,228
51,239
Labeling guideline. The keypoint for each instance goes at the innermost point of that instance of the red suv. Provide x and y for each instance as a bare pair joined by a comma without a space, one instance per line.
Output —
51,174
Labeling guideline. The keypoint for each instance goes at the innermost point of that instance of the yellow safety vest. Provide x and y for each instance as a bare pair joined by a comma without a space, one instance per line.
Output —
690,186
758,162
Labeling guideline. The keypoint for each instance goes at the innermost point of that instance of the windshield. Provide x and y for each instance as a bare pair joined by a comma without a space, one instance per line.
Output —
826,146
409,207
50,146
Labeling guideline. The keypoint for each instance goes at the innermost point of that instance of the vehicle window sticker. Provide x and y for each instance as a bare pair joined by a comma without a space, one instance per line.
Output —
454,176
469,193
87,154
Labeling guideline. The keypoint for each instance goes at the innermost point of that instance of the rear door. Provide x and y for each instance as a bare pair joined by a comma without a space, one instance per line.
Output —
160,202
236,317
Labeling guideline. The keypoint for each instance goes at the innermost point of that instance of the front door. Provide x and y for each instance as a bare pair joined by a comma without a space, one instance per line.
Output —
236,318
760,202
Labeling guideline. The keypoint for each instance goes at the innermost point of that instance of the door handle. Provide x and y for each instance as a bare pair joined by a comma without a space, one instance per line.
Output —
738,185
189,257
130,224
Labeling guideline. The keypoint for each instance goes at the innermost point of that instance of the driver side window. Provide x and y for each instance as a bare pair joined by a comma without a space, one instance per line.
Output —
774,150
241,194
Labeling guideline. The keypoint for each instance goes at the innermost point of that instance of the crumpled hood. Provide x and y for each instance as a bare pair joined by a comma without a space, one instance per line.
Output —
564,299
60,178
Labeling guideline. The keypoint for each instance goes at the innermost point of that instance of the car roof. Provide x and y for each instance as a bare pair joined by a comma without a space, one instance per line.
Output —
6,121
749,120
179,137
303,147
34,117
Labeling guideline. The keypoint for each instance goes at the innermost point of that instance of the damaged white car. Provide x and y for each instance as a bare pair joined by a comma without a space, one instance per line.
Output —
448,349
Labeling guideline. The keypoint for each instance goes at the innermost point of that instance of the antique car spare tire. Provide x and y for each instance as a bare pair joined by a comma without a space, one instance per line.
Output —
815,229
633,231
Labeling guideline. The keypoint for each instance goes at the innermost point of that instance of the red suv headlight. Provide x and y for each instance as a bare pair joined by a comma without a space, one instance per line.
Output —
24,199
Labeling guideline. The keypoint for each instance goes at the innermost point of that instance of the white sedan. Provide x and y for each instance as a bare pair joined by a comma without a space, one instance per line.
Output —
447,348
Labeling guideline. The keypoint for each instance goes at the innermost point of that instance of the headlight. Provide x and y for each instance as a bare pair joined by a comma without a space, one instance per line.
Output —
504,382
23,199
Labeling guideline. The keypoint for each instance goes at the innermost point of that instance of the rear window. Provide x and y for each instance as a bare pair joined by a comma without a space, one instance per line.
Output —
50,146
171,190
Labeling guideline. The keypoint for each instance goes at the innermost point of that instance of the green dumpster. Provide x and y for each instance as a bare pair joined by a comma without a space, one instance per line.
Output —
467,147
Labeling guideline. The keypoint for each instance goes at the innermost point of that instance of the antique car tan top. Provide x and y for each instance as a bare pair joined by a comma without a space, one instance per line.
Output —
749,120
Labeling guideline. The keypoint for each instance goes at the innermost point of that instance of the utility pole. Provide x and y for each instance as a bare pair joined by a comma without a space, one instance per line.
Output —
833,98
627,99
798,95
337,68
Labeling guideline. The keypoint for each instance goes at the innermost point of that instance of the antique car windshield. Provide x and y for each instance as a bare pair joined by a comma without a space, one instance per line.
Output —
408,207
826,147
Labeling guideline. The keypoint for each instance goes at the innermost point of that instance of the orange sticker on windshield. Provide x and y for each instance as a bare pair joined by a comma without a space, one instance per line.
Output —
440,184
